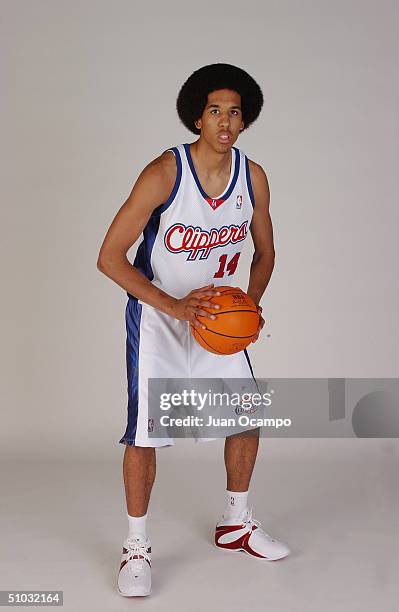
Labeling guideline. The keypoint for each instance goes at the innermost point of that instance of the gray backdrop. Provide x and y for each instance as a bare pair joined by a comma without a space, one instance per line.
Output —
89,90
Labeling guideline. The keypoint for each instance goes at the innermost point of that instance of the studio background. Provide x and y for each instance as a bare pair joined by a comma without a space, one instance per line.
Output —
89,92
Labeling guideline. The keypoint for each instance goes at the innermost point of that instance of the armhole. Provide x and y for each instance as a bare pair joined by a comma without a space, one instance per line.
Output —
249,182
162,207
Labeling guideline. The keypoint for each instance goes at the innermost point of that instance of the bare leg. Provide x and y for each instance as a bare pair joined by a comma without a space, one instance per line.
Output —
139,467
240,452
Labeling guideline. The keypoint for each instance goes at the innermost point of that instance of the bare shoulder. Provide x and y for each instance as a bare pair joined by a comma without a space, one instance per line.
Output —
260,184
157,178
168,159
258,175
163,166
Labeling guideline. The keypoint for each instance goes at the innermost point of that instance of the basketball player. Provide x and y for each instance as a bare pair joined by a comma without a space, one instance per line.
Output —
211,185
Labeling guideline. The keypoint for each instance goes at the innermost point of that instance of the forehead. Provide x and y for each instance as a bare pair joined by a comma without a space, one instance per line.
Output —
226,97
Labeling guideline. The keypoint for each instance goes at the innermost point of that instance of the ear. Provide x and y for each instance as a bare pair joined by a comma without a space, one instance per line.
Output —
198,124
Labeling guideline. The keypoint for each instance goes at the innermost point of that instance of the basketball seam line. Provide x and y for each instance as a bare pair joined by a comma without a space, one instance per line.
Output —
228,336
207,343
219,334
227,311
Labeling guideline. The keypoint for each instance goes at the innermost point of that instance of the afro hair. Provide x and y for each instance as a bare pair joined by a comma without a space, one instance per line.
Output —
193,95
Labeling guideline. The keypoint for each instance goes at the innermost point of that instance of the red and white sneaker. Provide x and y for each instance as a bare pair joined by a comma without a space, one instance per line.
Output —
245,534
134,578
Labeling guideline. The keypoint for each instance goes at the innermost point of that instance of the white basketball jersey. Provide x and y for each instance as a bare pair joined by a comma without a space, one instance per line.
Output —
193,240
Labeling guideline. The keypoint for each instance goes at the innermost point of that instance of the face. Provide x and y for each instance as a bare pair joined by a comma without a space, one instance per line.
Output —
221,120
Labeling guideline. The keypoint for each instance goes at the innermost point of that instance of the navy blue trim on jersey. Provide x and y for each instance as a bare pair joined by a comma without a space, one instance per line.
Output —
133,318
249,182
176,186
142,260
230,187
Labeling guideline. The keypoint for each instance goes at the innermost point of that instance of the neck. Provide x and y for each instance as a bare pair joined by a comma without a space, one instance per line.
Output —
209,161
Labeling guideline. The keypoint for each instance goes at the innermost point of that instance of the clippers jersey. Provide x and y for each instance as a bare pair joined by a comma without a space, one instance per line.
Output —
193,240
189,241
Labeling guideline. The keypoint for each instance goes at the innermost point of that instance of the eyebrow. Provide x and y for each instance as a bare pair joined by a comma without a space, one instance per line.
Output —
218,106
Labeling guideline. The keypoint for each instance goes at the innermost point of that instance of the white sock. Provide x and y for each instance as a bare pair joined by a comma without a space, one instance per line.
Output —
236,503
137,525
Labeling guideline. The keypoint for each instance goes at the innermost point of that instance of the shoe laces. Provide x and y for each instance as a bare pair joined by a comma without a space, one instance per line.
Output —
250,523
137,549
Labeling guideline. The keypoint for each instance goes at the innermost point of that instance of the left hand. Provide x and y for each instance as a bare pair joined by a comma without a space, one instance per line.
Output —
261,323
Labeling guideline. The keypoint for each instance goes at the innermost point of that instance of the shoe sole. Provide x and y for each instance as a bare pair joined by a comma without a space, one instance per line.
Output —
135,593
233,550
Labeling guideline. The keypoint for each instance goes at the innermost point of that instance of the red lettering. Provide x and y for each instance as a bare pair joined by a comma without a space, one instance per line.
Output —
195,240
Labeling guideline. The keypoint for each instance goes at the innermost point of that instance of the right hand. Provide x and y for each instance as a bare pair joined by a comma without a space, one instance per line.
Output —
186,308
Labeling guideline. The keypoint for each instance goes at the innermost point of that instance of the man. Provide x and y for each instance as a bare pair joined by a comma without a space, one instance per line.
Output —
208,184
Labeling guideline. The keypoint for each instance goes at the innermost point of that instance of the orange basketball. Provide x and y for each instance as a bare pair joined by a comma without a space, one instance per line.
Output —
235,326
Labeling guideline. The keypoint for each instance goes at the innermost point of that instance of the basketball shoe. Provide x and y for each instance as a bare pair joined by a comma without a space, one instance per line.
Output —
134,578
244,534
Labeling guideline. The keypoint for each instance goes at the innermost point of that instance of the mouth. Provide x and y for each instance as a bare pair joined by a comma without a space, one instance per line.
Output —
224,137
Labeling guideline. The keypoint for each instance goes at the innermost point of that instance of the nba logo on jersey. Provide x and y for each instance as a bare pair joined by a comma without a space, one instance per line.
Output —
239,201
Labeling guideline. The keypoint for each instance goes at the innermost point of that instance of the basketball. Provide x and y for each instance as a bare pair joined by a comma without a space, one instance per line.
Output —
235,326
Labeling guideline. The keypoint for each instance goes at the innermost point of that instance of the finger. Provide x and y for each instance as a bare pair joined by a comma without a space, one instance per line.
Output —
209,305
204,313
194,303
199,290
197,323
210,292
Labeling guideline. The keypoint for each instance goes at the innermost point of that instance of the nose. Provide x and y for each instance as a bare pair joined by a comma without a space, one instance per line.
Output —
224,120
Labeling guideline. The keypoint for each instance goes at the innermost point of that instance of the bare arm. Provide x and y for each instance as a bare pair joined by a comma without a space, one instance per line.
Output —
262,235
151,189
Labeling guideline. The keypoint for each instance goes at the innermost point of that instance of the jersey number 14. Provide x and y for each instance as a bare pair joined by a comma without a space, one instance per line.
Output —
231,266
